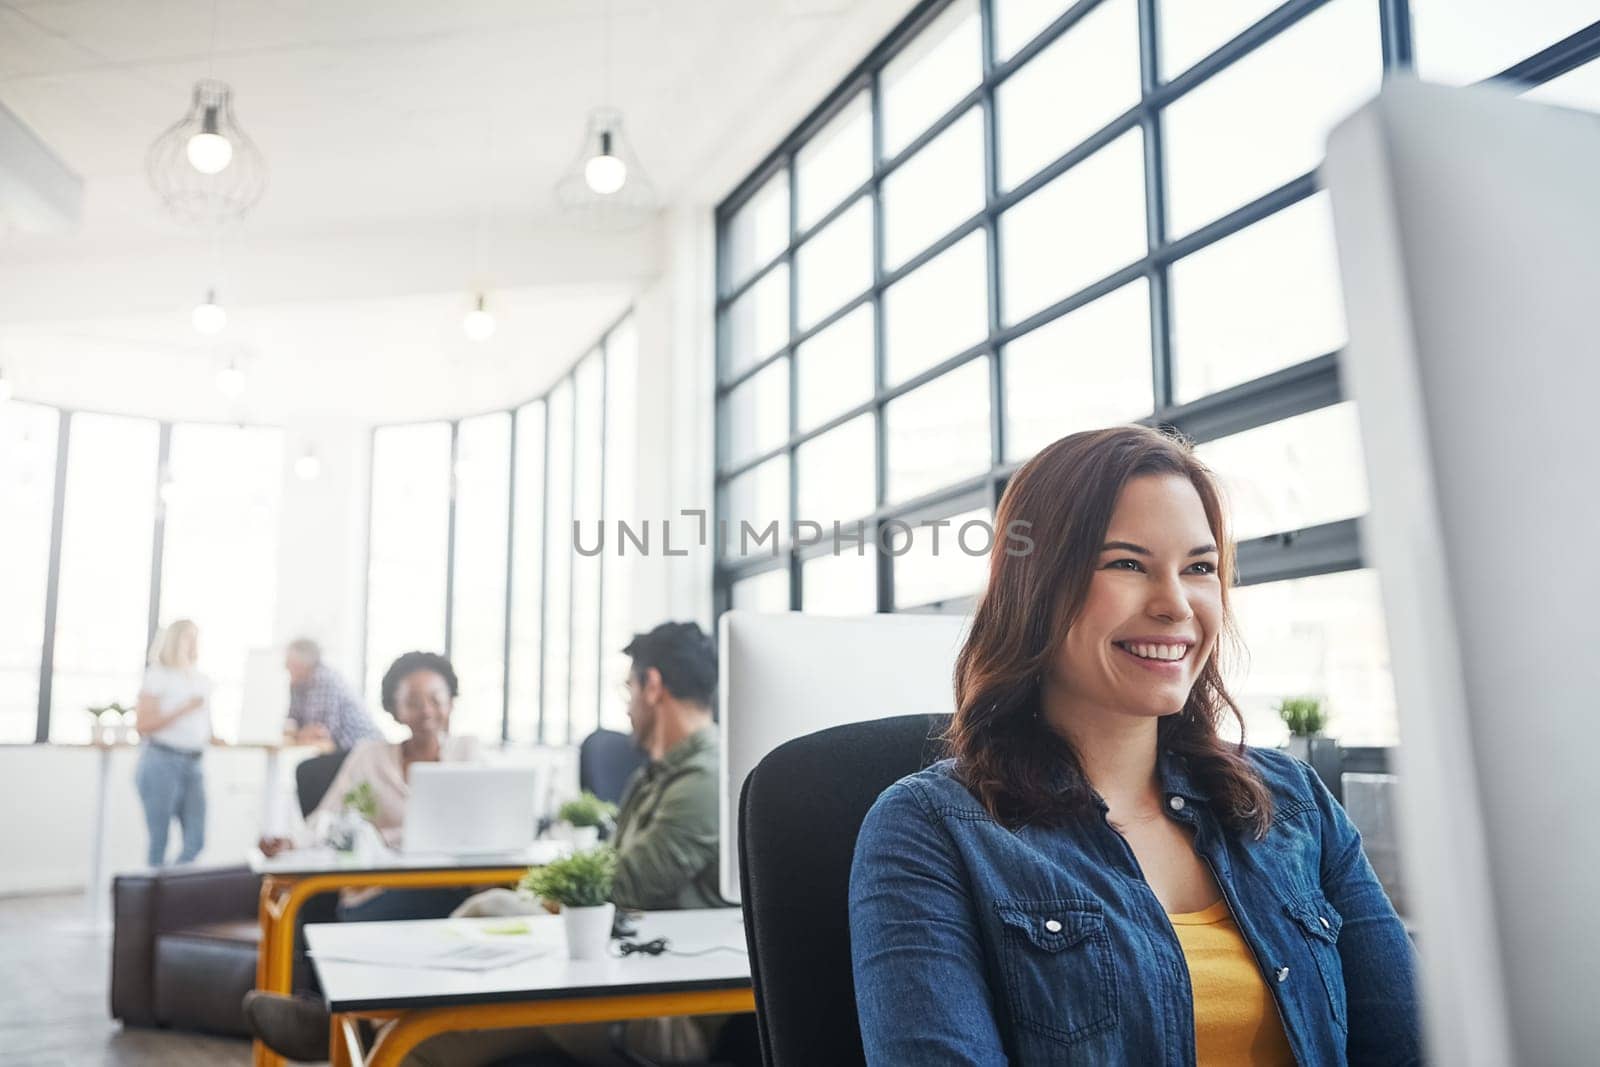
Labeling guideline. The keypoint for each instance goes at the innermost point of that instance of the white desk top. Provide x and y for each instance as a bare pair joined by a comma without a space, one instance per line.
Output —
369,987
327,861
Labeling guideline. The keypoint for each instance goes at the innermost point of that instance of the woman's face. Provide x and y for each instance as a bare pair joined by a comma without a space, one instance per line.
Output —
189,646
422,702
1153,611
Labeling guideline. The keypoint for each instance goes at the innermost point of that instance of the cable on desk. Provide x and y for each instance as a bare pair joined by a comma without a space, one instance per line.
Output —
661,946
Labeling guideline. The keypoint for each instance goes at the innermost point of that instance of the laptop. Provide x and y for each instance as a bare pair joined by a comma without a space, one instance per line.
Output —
466,809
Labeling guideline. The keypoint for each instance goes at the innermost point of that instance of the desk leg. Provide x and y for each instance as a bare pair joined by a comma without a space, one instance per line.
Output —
271,797
96,889
276,910
344,1043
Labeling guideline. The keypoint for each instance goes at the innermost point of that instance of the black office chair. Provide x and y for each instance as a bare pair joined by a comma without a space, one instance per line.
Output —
800,812
313,777
606,760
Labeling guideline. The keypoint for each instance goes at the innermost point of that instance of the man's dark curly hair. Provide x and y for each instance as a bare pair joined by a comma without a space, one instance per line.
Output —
686,657
410,663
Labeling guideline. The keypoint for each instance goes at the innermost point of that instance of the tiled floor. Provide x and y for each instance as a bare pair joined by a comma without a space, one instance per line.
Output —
54,998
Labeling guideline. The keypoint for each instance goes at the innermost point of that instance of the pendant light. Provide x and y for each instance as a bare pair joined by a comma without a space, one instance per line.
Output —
208,316
230,380
307,466
605,187
479,323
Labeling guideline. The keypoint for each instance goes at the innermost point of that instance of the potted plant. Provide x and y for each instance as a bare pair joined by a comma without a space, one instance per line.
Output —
581,884
110,723
1306,720
586,815
355,831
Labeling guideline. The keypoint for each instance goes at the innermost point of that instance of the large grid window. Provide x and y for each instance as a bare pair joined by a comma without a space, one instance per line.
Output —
1018,219
471,551
111,526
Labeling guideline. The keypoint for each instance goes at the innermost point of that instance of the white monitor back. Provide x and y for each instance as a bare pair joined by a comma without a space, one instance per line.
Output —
784,676
1468,224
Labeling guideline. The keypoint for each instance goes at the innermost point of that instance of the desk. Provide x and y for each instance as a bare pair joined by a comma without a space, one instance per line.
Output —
545,991
289,878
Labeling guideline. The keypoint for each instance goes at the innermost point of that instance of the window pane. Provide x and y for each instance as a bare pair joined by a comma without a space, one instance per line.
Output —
1259,300
409,546
757,413
757,324
1322,636
944,562
219,565
621,503
836,472
940,66
1085,370
558,569
103,607
843,584
757,232
1265,119
834,162
1579,87
1016,22
939,309
1191,31
836,264
477,617
938,433
927,195
759,497
27,485
835,368
1459,41
1292,474
586,568
767,591
1084,225
527,562
1084,79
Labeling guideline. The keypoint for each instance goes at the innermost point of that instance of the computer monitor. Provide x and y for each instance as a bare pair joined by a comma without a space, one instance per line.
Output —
1468,227
786,675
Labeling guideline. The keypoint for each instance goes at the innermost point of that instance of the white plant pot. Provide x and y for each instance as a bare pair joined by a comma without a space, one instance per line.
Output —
584,837
588,930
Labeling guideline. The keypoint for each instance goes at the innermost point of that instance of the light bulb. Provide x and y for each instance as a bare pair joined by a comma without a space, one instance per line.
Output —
605,173
230,381
210,153
5,389
307,467
208,317
479,323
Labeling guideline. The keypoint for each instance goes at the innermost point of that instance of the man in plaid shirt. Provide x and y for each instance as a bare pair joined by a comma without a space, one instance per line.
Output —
321,706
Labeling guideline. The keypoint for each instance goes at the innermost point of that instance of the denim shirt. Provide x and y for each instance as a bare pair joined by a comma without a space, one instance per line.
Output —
974,944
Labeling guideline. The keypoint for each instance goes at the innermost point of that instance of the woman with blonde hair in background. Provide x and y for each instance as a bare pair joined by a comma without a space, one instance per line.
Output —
174,720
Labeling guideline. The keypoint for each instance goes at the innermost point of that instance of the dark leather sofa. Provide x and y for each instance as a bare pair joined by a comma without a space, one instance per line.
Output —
183,948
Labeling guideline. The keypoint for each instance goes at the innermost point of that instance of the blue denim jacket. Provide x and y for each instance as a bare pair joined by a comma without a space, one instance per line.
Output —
974,944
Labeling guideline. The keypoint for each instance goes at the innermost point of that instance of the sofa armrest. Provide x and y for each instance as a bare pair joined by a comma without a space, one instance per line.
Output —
146,904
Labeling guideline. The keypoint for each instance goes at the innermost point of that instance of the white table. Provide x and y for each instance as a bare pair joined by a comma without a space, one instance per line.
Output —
290,878
547,990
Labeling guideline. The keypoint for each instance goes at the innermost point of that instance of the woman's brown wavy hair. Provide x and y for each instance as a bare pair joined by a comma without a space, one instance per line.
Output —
1062,499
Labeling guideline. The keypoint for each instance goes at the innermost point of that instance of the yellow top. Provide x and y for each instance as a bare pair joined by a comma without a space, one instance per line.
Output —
1235,1020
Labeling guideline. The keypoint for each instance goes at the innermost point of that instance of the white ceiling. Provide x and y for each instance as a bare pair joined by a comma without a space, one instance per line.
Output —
396,132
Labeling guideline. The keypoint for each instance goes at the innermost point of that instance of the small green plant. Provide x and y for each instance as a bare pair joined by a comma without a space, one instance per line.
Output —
1303,715
98,713
363,801
587,810
582,880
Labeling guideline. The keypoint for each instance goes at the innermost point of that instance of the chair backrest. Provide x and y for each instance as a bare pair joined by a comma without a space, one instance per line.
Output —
606,760
800,812
313,777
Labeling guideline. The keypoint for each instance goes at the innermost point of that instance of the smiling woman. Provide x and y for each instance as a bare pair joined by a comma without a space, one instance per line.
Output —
1097,876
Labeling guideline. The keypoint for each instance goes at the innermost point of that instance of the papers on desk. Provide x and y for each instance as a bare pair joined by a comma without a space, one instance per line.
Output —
450,948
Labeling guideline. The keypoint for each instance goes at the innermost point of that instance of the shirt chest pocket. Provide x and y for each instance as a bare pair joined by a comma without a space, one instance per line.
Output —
1060,980
1319,926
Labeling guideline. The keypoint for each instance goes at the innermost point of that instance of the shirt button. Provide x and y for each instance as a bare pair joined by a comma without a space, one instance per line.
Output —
1324,923
1053,925
1283,974
1175,803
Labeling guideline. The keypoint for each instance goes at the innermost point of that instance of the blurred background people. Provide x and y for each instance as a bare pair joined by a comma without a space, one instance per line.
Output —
322,709
173,717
